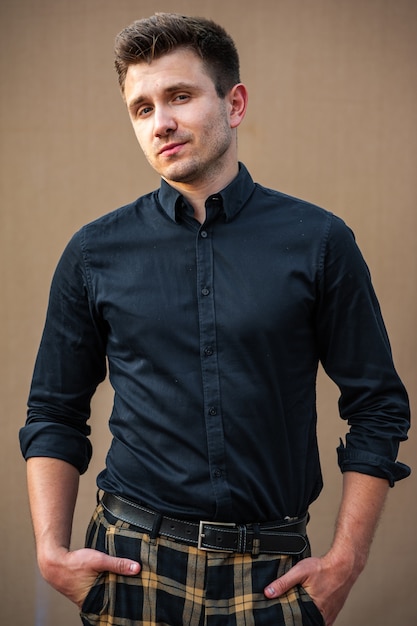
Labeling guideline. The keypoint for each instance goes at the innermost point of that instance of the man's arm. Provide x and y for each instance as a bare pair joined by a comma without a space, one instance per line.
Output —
53,488
329,579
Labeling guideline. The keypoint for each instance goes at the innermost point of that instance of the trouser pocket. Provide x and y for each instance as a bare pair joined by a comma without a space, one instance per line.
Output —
311,613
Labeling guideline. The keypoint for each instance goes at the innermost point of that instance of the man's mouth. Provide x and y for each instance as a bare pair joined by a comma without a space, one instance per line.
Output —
170,149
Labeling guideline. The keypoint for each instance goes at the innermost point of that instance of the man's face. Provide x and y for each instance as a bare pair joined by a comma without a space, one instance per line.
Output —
182,125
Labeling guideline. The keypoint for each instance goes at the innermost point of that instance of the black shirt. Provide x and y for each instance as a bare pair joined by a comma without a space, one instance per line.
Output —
213,334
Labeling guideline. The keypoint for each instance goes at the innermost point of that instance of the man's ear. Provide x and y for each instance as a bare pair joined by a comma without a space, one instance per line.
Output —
238,101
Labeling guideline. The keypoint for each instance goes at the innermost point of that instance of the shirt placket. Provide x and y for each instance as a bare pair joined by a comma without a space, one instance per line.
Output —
210,368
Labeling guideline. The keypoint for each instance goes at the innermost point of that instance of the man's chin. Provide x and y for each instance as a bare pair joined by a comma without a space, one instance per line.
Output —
180,174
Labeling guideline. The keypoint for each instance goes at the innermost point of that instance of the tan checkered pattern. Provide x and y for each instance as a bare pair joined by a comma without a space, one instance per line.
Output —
180,585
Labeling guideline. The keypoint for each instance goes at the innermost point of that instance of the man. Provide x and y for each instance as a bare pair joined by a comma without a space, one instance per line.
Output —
213,299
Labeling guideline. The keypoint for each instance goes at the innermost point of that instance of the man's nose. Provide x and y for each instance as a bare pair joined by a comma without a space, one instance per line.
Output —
164,122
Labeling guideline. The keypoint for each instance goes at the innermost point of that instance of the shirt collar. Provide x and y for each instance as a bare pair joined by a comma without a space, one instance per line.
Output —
234,196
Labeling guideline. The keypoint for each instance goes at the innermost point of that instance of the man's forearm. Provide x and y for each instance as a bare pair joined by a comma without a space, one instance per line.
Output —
362,503
329,579
53,488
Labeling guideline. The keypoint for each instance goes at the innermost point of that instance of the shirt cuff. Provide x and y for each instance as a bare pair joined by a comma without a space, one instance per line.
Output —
364,462
56,441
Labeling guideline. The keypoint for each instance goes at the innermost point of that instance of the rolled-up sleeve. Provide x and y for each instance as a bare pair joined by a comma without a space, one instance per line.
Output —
351,459
356,354
69,366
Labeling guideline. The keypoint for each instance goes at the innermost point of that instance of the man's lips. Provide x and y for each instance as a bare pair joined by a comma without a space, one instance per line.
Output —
171,148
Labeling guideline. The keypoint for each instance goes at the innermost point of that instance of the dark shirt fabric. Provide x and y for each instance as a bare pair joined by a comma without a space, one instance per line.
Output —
212,334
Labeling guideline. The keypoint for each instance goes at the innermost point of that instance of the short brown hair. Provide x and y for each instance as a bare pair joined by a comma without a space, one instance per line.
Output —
151,38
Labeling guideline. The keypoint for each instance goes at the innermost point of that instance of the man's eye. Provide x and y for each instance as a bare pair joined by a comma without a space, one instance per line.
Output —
143,111
182,96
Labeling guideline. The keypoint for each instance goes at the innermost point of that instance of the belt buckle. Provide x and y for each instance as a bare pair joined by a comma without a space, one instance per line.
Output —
201,535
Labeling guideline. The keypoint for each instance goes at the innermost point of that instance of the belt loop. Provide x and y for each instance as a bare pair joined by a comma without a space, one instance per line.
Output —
242,538
156,527
256,541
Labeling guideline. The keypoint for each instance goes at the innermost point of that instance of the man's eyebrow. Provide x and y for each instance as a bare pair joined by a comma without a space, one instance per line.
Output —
186,86
180,86
135,102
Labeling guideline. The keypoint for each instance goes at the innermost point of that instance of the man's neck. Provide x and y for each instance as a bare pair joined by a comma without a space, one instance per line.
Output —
197,193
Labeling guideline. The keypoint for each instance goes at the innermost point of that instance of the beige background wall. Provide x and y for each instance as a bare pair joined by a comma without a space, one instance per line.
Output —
332,118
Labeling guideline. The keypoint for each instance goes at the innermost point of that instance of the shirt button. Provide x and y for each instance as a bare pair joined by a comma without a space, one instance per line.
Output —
217,473
212,410
203,234
208,351
205,291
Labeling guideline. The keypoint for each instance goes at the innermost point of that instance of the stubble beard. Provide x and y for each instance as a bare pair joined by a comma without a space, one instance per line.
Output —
199,167
192,171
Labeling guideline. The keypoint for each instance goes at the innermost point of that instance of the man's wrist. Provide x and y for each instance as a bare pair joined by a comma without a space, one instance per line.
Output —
347,561
49,558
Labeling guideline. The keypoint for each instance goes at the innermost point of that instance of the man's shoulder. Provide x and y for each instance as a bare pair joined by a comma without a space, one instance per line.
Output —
291,202
285,207
123,216
116,228
281,212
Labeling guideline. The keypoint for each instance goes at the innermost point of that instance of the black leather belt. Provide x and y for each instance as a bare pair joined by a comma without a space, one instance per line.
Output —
286,537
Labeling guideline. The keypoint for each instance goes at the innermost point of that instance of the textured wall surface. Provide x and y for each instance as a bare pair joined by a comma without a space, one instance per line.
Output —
332,119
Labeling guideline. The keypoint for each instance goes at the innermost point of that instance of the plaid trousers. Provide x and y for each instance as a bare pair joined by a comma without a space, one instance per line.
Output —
180,585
